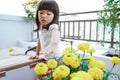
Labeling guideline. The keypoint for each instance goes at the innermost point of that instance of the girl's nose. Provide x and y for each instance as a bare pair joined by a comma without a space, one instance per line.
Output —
44,15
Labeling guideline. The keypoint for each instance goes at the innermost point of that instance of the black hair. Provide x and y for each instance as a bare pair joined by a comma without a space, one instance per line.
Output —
50,5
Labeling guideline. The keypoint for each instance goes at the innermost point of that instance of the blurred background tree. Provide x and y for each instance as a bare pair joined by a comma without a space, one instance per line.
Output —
110,18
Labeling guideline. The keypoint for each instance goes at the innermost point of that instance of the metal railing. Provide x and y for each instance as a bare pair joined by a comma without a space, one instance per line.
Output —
74,27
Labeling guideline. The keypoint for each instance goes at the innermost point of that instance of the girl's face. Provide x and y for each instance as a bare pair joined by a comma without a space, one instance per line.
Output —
45,17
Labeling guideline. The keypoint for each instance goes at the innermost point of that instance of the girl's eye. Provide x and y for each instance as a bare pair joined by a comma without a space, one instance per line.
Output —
48,14
41,13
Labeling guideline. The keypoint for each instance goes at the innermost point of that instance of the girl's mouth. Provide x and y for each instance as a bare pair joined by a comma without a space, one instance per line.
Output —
43,21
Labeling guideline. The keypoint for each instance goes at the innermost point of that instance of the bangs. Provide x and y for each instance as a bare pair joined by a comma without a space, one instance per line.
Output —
48,5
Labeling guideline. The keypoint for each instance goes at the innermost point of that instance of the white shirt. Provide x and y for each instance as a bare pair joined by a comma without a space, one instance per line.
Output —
46,36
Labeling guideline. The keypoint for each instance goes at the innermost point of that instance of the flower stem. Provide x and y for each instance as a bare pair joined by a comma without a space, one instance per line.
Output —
71,42
83,55
112,67
91,53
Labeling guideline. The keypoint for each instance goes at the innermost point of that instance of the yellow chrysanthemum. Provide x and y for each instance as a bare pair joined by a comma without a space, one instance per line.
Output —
65,52
76,78
90,50
73,74
75,63
61,71
83,46
57,75
69,49
91,58
69,58
83,75
93,63
52,63
96,73
97,63
101,64
41,68
64,70
115,60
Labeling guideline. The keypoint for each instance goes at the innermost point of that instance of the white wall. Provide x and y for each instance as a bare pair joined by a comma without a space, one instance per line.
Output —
13,29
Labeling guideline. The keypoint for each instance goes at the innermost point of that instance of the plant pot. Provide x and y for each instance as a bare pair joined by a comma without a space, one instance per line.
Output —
113,52
111,55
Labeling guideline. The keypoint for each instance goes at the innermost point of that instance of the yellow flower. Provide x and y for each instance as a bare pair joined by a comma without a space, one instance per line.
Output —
57,75
91,58
73,74
101,64
115,60
96,73
77,78
69,59
83,46
64,70
61,71
82,76
97,63
65,52
41,68
52,63
91,50
93,63
75,63
69,49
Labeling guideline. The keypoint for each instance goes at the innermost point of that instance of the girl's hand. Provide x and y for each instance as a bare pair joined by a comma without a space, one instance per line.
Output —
48,50
34,57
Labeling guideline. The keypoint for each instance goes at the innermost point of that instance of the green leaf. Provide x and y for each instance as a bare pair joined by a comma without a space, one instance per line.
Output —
84,65
67,78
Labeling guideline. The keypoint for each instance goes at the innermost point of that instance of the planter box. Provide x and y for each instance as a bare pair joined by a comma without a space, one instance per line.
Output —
108,64
16,65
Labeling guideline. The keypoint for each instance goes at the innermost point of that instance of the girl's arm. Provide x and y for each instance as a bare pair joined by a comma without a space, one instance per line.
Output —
55,38
38,49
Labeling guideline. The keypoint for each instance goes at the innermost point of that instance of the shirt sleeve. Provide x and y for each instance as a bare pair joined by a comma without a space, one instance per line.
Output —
53,26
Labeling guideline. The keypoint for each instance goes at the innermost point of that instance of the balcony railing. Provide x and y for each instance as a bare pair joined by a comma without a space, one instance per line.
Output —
84,26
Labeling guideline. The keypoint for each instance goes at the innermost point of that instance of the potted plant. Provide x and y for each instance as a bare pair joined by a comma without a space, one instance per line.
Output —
74,65
110,18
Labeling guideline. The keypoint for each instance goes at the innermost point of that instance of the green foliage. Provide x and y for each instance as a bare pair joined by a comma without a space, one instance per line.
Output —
108,74
30,9
84,65
109,16
49,77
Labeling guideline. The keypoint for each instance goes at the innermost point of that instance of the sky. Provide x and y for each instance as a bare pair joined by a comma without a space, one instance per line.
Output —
14,7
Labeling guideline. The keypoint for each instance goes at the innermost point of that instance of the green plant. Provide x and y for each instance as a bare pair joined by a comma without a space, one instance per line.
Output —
109,16
30,9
